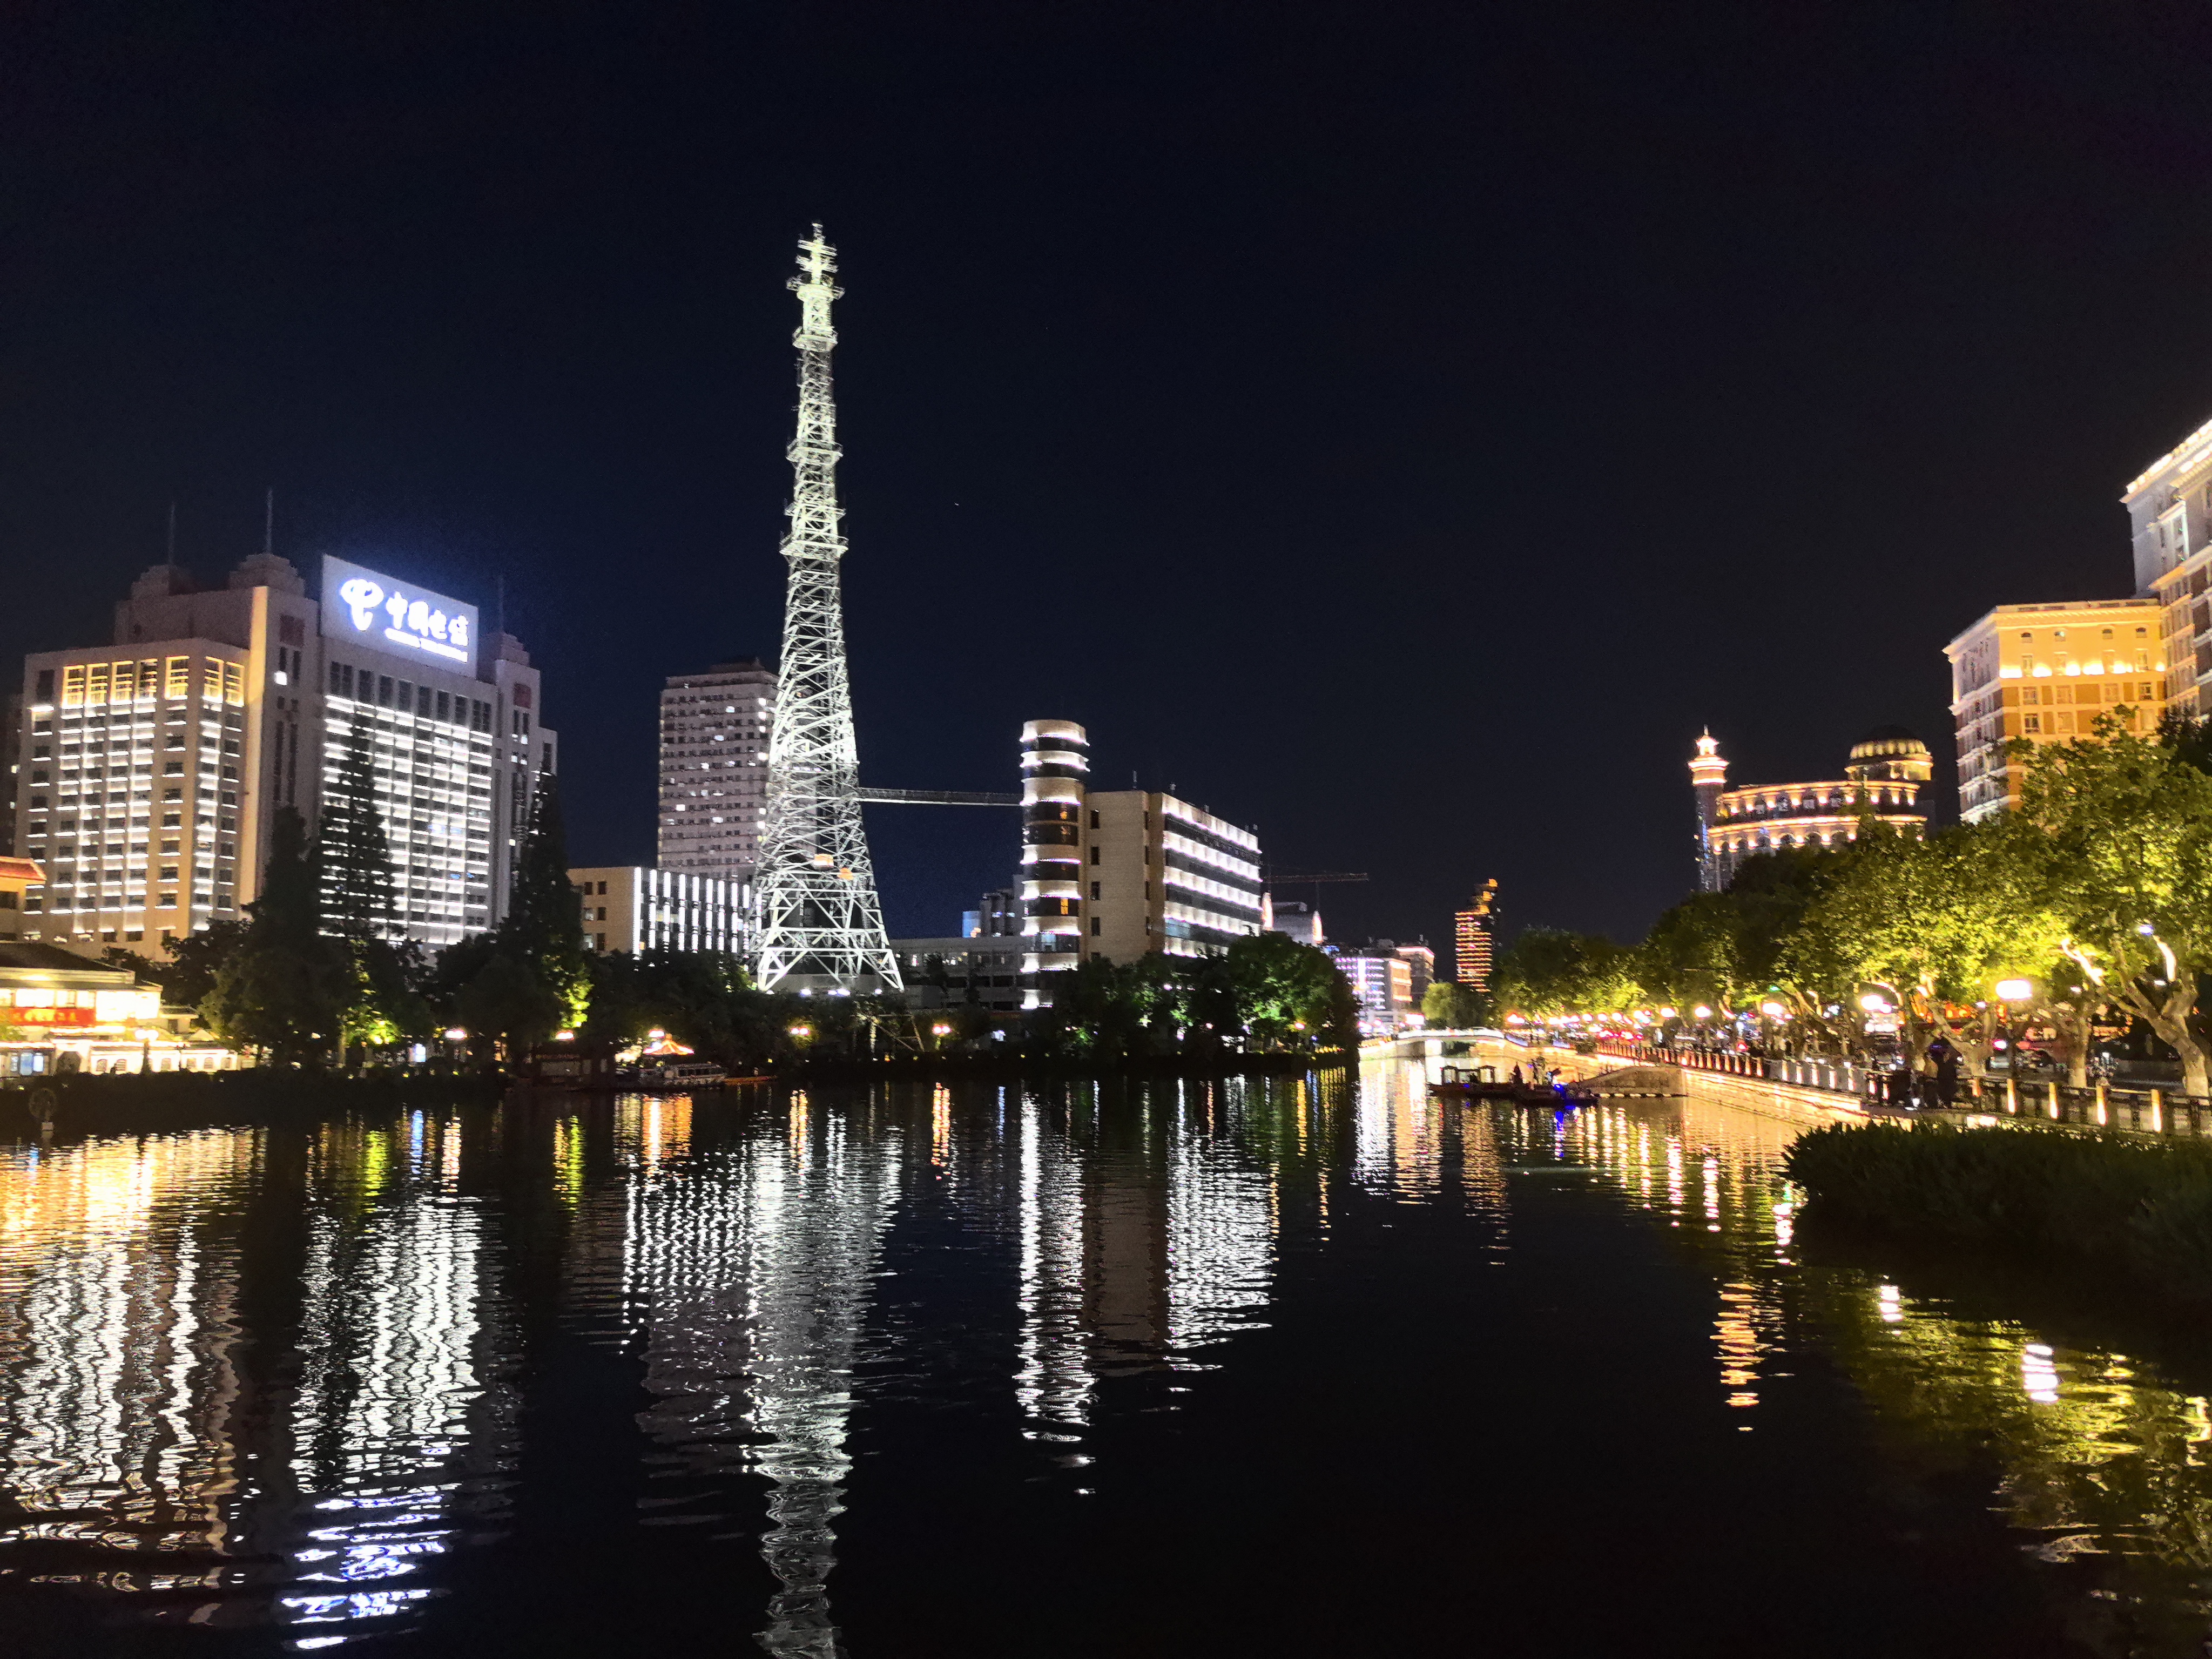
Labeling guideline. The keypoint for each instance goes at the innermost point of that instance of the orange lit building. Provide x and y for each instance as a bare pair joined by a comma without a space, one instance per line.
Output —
2047,672
1474,939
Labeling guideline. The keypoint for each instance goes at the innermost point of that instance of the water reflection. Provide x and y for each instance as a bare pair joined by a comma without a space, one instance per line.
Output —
276,1379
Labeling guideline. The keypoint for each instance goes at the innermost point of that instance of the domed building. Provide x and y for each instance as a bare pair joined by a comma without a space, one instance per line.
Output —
1883,776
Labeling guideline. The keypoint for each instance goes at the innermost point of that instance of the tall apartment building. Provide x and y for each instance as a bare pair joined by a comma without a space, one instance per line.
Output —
628,908
2046,672
714,769
1117,874
2170,523
153,768
1474,937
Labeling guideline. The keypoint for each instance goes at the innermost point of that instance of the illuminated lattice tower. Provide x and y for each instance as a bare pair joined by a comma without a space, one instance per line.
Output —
821,922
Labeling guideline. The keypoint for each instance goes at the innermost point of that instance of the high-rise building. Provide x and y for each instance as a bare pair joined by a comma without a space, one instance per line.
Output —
627,908
1117,874
1474,937
153,768
2170,523
1384,982
714,769
1884,775
2046,672
1421,961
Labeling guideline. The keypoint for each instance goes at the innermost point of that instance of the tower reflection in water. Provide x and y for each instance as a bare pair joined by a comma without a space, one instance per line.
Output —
276,1377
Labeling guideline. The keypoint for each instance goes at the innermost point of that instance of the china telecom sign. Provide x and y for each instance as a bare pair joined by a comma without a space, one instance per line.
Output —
396,616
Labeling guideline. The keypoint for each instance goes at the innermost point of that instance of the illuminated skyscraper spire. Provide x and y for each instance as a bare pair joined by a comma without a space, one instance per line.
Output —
821,923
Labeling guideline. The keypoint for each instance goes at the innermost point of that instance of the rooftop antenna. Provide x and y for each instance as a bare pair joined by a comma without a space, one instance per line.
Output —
269,524
172,533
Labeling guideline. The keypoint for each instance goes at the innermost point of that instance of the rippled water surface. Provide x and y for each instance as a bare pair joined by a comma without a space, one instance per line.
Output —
1313,1366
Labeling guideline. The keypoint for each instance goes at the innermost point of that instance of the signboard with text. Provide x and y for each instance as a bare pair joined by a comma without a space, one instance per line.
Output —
397,618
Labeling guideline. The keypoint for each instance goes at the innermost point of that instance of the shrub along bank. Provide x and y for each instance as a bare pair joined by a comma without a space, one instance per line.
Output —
2096,1200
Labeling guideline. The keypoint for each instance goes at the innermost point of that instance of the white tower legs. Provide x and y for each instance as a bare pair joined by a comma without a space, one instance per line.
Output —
821,922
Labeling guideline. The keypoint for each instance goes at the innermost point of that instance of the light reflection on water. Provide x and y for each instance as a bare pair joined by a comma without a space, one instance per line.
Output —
312,1467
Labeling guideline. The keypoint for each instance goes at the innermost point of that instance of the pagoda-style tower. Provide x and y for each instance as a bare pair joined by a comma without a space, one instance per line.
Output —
1708,775
821,922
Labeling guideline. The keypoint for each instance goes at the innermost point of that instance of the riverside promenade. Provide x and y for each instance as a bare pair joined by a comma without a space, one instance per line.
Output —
1793,1103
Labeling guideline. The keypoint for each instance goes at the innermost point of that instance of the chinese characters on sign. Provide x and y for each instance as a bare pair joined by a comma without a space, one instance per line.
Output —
362,605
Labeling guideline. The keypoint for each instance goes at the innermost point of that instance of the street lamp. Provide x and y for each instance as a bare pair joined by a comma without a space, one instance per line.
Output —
2015,990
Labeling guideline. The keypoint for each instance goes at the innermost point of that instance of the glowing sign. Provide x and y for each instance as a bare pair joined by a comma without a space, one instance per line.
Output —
395,615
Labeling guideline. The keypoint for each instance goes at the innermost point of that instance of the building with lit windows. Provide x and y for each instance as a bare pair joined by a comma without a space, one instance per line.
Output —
2170,524
714,769
1474,939
1422,960
153,768
1117,874
1887,770
1384,981
2047,674
18,877
629,908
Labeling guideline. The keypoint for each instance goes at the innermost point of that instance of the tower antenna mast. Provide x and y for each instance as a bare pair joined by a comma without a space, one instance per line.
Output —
821,924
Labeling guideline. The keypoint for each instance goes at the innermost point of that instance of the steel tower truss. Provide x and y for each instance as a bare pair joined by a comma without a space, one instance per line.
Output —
820,921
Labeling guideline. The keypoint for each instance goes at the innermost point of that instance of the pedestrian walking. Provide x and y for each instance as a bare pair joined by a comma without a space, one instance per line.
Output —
1945,1059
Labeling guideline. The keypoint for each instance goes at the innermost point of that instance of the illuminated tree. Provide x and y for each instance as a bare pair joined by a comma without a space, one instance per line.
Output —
1938,920
2125,861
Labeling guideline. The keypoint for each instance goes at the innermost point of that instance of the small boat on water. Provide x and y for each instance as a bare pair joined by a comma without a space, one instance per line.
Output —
1480,1083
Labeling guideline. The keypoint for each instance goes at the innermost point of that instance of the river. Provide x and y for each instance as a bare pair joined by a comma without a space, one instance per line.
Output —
1267,1367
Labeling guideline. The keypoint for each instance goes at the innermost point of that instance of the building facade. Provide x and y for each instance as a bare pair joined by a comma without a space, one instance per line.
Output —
1474,939
982,970
2048,673
1422,963
2170,525
714,769
1384,982
1117,874
634,909
153,768
1886,771
1298,919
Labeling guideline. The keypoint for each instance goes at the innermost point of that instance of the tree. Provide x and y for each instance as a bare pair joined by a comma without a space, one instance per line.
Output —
1282,991
507,1005
1938,920
284,988
1450,1006
355,854
545,925
196,959
2126,865
1548,972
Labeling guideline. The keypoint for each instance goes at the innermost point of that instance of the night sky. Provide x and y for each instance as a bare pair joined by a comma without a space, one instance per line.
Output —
1400,427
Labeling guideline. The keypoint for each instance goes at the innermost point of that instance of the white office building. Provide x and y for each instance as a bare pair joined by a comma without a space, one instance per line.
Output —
152,768
633,908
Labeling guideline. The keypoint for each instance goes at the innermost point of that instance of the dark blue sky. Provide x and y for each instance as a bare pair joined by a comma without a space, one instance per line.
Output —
1401,427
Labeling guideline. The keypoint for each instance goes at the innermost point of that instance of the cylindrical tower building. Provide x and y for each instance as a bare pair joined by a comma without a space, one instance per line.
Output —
1055,766
1708,776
